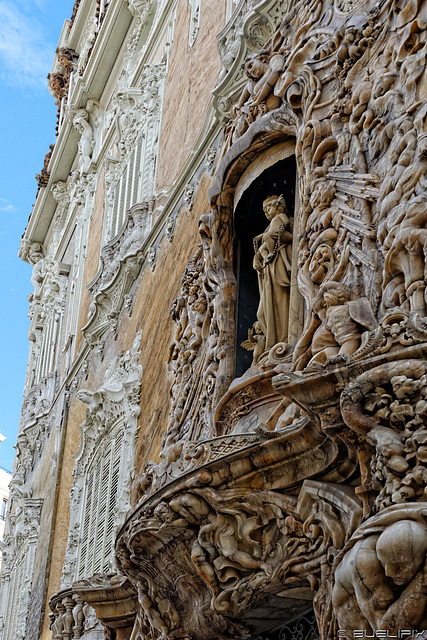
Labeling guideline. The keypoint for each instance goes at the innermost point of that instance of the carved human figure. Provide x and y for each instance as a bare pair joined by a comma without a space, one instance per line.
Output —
257,97
336,327
36,259
272,261
86,142
255,342
381,583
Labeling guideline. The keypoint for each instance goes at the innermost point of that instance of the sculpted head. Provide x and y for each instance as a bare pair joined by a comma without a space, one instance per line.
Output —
35,253
334,293
256,64
273,206
401,549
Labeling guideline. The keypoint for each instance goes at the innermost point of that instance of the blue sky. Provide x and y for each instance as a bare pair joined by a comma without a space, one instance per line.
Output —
29,34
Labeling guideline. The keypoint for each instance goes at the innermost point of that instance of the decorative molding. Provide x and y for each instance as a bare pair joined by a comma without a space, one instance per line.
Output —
115,405
251,25
195,9
130,176
121,261
18,554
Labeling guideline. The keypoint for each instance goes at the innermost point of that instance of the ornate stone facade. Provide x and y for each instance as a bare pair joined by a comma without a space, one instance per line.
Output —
260,252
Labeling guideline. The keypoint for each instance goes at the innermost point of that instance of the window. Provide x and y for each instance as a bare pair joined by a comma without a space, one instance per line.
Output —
127,191
14,603
100,502
99,495
3,509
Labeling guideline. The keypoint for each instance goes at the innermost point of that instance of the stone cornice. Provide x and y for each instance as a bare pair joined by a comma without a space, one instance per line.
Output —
90,84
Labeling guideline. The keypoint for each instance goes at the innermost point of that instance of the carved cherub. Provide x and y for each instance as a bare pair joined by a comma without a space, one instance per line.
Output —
255,342
257,98
336,326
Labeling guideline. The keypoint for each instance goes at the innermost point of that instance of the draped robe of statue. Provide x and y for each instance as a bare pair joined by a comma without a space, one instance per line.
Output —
272,261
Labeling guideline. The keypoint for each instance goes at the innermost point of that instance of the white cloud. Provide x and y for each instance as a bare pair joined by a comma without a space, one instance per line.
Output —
25,54
6,206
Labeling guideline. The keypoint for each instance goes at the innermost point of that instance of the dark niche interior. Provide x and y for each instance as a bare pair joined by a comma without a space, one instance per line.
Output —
250,221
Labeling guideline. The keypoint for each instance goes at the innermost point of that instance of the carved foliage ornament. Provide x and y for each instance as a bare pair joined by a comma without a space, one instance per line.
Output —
114,406
345,81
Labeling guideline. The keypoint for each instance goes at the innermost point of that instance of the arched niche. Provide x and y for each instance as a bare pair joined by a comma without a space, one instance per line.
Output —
274,172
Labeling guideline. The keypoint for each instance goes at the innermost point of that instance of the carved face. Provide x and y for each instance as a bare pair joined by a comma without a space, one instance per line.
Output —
400,573
321,261
323,194
256,65
334,297
272,208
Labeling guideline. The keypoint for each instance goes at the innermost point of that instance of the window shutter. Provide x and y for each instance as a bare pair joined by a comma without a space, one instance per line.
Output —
16,586
102,486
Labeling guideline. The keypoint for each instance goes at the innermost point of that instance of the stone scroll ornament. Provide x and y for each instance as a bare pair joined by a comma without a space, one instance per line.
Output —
344,82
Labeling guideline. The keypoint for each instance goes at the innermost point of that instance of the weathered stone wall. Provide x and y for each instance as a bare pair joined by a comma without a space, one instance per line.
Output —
192,74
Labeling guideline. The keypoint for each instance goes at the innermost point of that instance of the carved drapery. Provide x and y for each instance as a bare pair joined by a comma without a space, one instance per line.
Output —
345,81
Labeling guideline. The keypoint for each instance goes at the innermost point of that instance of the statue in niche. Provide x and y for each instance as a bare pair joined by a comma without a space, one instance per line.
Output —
272,261
87,141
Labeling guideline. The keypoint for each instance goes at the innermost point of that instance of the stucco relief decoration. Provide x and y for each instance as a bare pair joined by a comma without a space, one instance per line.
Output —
90,32
273,473
195,8
117,400
136,120
18,554
121,261
87,140
141,10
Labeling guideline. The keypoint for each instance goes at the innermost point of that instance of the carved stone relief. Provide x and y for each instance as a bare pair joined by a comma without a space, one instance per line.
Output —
18,553
128,219
252,549
251,24
115,403
345,83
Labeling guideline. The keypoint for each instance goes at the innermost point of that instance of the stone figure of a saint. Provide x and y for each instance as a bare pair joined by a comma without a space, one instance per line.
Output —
272,261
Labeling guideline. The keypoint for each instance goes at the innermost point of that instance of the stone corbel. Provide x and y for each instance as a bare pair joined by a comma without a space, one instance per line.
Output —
114,600
244,560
